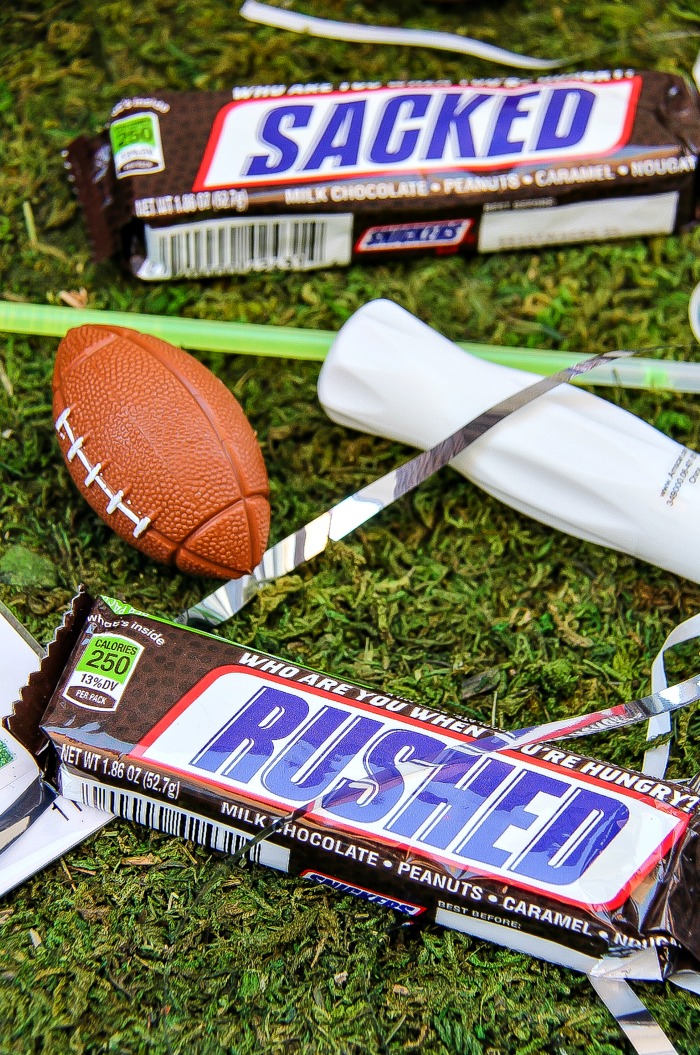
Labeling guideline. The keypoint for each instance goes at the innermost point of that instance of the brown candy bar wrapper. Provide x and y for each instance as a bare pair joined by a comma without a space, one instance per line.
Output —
541,849
316,175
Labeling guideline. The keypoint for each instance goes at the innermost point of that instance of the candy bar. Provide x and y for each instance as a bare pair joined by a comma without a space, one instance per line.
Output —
538,847
315,175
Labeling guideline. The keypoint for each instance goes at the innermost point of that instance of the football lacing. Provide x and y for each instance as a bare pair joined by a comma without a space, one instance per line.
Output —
114,498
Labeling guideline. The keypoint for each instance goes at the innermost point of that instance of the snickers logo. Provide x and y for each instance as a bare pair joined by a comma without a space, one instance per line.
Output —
407,784
437,234
339,885
400,131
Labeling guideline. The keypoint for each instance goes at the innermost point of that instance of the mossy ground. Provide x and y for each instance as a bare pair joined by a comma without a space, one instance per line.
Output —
139,943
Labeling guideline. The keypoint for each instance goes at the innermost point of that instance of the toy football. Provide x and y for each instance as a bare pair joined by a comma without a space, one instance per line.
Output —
161,450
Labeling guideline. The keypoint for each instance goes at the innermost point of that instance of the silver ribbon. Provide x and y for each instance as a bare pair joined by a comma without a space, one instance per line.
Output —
357,509
656,757
368,34
636,1022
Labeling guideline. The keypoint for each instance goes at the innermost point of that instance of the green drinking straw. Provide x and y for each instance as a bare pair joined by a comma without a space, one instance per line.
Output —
285,342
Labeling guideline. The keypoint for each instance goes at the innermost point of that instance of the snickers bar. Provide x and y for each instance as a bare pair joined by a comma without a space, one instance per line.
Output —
316,175
539,848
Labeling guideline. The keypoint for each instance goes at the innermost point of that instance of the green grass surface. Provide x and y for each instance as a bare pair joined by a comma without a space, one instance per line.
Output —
139,943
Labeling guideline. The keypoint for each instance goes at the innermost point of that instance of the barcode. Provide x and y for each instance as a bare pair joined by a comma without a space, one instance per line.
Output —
170,819
237,245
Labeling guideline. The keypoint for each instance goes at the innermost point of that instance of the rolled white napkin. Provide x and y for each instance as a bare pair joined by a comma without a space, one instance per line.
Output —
569,459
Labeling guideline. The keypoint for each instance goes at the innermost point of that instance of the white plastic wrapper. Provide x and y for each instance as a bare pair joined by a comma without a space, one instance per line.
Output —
571,460
36,826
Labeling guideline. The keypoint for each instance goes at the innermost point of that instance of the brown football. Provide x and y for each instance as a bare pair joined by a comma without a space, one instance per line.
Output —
161,450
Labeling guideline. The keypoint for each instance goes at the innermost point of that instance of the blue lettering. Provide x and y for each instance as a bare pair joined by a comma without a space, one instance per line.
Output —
278,121
446,805
279,779
384,781
339,141
571,843
268,716
451,122
509,111
510,811
579,103
381,152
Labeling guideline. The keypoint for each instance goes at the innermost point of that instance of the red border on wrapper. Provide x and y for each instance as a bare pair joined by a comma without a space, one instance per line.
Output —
417,170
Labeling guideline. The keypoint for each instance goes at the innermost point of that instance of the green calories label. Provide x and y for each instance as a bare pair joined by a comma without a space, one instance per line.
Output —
139,129
136,146
109,656
5,754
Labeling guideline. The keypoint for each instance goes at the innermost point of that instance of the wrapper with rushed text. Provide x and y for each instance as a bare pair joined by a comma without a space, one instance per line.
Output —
541,848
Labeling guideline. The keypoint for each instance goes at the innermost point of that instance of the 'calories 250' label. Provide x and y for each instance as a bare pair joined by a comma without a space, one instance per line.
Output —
136,145
412,786
103,672
402,131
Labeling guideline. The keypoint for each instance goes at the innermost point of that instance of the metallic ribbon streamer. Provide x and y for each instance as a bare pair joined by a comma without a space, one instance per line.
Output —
665,702
357,509
364,34
636,1022
656,758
